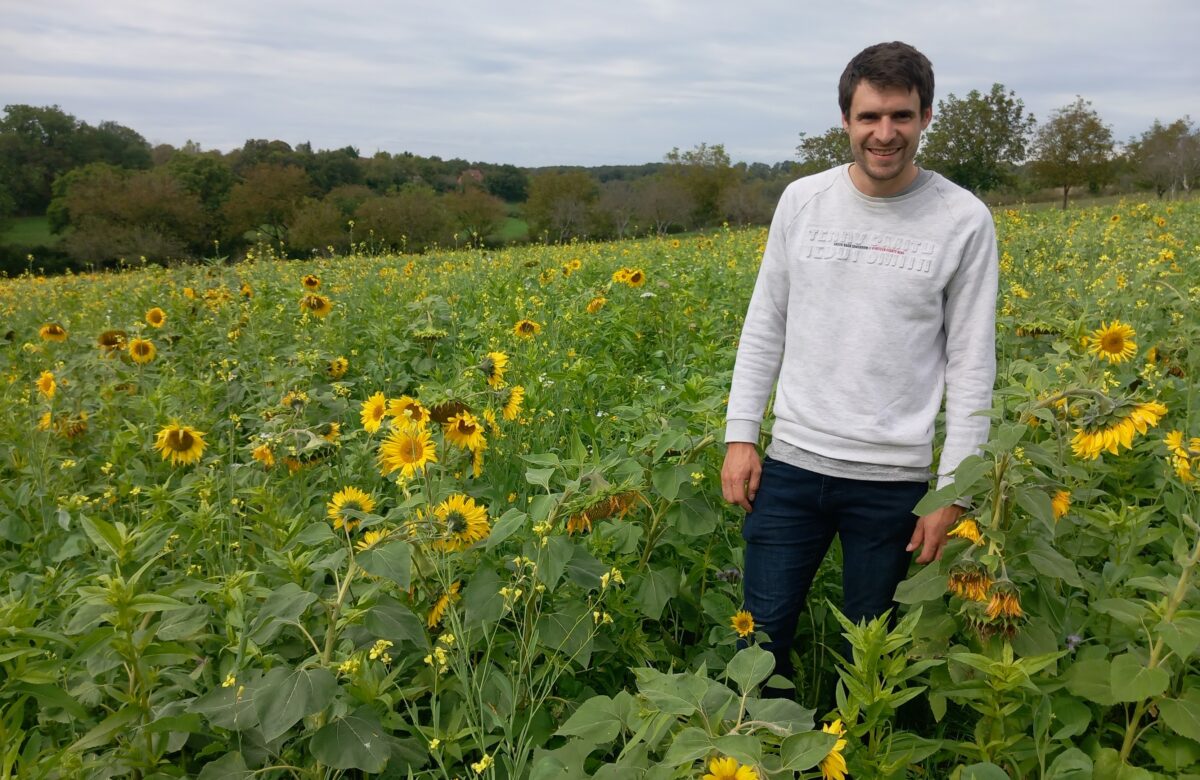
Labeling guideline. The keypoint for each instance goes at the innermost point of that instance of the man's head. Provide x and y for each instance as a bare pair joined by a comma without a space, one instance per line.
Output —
892,64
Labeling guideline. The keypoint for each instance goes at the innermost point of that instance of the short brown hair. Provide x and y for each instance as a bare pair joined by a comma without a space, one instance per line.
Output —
892,64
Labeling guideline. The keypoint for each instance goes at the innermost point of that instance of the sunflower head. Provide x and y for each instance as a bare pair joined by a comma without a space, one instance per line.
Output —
440,604
352,499
317,305
156,317
264,455
311,282
635,278
967,529
743,623
180,444
406,449
464,430
337,367
408,411
142,351
969,580
111,341
513,398
526,329
596,304
372,412
1113,342
46,384
493,366
460,522
1061,503
52,331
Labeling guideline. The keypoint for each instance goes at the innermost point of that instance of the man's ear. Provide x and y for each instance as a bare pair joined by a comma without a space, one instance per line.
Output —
926,117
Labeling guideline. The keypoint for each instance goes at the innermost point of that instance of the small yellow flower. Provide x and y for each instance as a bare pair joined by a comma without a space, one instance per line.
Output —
230,681
743,623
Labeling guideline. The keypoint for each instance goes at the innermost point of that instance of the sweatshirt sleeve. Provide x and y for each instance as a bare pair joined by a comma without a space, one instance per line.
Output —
970,323
760,349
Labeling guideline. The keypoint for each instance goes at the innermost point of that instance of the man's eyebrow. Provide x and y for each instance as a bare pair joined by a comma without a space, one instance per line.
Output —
900,113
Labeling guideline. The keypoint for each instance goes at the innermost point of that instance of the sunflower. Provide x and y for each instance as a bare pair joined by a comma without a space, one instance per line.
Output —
263,454
406,449
372,538
156,317
142,351
372,412
337,367
180,444
46,384
620,275
408,411
463,430
330,431
477,460
311,282
526,329
441,603
596,304
45,421
1005,601
52,331
636,277
729,769
465,522
318,305
1089,442
512,402
743,623
1061,503
967,529
348,498
111,341
189,293
493,367
833,766
970,581
1174,442
246,290
1113,342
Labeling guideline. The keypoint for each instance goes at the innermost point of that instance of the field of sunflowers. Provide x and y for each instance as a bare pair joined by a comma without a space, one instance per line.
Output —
458,516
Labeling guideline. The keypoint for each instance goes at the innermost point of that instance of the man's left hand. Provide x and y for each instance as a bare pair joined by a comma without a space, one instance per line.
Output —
930,533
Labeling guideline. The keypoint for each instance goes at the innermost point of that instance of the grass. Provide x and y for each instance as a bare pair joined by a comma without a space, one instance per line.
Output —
513,229
30,231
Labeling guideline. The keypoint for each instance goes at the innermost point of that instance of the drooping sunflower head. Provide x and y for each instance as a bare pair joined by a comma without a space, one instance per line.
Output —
337,367
440,604
969,580
294,400
156,317
526,329
111,341
1113,342
142,351
463,430
596,304
317,305
372,412
833,766
264,455
512,402
967,529
743,623
406,449
493,366
46,384
1061,503
407,411
461,523
52,331
330,431
180,444
311,282
346,500
1005,601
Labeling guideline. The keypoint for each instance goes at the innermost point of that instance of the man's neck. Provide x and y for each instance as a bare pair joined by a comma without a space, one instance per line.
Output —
875,188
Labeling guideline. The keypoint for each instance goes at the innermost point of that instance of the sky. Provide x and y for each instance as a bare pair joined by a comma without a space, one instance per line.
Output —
568,82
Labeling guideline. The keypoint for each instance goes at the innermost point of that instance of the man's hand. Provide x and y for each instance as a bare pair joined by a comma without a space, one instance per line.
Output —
741,473
930,533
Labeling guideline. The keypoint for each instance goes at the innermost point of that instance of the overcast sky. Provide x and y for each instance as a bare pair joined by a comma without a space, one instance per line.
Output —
568,82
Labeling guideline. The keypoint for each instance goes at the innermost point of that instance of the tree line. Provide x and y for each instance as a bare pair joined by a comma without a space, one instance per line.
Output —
114,196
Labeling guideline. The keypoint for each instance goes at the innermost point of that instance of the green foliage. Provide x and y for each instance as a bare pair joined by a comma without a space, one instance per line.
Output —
1166,158
977,141
821,152
1073,147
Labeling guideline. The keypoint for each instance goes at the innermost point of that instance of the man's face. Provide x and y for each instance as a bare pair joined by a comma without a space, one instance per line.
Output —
884,127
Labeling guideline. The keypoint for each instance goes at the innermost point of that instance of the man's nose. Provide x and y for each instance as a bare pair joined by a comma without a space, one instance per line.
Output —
885,131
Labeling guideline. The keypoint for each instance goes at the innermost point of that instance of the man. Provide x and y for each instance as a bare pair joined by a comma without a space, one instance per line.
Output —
876,296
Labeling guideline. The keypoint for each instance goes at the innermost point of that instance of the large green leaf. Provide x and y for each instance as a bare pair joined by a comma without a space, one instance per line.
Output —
1090,680
784,713
229,708
1132,681
690,744
356,741
551,559
677,694
230,766
656,588
1071,764
1183,715
1053,564
1182,635
749,667
284,606
801,752
583,569
286,695
927,584
597,720
983,771
508,524
389,619
482,602
392,560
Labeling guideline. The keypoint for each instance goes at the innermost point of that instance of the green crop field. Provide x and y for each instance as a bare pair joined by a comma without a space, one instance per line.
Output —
30,231
459,515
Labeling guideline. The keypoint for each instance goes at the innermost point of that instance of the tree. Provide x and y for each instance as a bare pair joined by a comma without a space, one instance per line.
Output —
266,199
206,175
412,220
705,172
978,141
476,214
661,203
114,144
616,209
36,146
822,152
507,182
1166,157
748,203
318,226
559,203
1074,147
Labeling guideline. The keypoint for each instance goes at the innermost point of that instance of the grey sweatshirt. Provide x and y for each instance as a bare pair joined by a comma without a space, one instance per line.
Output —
868,311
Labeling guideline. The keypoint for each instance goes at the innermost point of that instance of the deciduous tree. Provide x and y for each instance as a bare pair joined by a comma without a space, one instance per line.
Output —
821,152
705,172
1166,157
978,141
559,204
1074,147
265,200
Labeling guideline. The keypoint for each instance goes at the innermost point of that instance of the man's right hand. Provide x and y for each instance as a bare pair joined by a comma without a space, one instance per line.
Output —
741,473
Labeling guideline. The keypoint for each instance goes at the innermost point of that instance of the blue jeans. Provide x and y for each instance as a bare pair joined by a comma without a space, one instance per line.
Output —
792,522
